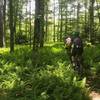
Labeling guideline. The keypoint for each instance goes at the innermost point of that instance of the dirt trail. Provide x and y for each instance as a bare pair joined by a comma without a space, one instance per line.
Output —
94,84
94,95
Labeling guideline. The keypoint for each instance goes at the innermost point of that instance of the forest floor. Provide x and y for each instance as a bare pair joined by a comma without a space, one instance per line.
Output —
95,90
95,95
51,77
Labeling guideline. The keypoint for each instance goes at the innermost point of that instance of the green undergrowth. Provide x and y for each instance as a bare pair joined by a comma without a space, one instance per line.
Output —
92,66
49,76
92,59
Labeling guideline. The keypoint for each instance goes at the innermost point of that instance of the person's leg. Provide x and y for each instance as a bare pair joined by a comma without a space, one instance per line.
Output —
73,57
80,65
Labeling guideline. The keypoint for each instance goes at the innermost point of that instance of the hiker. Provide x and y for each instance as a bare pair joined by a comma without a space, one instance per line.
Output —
68,43
75,49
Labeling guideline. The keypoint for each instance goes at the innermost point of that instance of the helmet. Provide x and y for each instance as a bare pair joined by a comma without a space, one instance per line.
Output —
75,34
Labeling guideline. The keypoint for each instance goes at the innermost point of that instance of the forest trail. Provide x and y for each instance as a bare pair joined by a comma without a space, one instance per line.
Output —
94,85
94,95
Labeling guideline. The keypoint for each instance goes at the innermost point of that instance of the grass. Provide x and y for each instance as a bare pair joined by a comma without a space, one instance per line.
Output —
48,76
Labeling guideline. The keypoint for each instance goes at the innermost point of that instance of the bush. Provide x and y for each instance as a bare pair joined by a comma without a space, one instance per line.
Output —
59,84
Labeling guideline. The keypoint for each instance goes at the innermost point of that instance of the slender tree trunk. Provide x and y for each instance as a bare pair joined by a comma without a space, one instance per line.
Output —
85,23
61,22
98,12
46,30
26,22
70,21
4,23
1,24
54,23
11,18
78,9
66,21
42,23
30,24
15,16
58,30
20,17
91,16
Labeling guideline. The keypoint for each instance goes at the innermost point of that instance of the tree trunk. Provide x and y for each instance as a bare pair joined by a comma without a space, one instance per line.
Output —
30,24
11,18
91,17
46,22
61,22
85,23
1,24
78,9
4,23
58,32
20,17
26,21
39,24
42,23
66,21
15,17
36,25
98,11
54,23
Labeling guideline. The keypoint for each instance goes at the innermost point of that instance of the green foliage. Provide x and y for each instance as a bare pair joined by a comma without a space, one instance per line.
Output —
91,58
49,78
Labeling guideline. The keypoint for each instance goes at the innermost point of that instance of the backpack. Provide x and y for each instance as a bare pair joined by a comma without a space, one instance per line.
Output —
77,42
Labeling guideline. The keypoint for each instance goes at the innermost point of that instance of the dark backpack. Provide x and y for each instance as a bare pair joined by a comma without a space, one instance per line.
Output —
77,42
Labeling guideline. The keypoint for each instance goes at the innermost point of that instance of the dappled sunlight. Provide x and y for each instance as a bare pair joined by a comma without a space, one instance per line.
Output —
4,50
56,50
51,76
49,49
